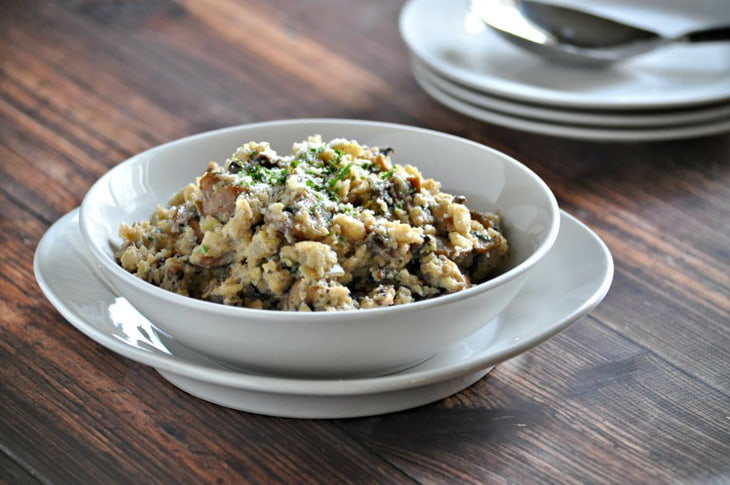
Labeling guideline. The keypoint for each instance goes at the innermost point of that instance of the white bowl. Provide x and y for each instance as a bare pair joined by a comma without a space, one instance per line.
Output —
324,344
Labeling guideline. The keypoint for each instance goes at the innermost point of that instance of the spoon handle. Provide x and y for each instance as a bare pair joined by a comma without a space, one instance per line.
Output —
715,34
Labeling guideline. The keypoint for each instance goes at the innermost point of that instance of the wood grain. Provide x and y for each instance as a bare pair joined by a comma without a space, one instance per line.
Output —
638,392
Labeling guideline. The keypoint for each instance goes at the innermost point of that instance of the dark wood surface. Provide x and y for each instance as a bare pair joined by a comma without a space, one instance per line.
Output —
636,392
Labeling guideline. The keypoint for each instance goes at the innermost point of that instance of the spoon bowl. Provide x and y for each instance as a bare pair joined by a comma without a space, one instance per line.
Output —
575,37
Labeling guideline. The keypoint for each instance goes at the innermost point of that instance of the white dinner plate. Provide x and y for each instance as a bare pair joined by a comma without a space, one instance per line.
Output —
589,118
584,132
571,281
458,46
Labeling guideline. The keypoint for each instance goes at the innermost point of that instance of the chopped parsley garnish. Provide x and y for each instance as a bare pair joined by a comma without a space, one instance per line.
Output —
255,172
259,174
341,174
330,167
281,178
387,175
317,206
312,154
204,249
347,208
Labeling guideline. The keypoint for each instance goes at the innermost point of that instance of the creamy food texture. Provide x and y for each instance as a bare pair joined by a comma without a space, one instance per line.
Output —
333,226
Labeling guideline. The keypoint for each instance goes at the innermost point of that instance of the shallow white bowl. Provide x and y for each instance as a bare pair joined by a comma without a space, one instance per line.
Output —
324,344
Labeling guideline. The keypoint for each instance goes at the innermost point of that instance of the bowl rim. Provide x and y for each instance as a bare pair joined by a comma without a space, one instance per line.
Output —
170,297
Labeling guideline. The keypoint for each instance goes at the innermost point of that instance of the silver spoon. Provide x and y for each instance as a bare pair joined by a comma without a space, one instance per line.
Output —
571,36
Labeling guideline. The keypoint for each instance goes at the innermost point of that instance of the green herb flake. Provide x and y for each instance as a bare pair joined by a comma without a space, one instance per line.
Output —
387,175
348,209
280,179
255,172
204,249
341,174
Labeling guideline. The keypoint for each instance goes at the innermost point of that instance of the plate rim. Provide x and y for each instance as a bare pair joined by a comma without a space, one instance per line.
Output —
505,87
575,131
319,387
610,119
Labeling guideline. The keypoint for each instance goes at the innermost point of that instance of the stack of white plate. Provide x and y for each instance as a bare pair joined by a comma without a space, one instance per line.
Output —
679,91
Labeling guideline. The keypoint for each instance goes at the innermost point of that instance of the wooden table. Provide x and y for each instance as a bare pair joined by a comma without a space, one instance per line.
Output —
637,392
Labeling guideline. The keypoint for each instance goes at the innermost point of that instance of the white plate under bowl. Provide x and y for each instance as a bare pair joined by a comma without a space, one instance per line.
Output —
575,131
610,119
459,47
567,284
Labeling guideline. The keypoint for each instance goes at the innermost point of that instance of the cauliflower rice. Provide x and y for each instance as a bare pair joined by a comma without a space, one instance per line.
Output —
333,226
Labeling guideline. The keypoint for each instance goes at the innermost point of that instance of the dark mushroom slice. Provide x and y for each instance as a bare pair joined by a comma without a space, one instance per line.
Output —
264,161
187,215
218,197
213,262
442,246
487,219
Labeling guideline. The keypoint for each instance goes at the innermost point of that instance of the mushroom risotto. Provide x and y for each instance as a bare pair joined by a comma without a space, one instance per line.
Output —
333,226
